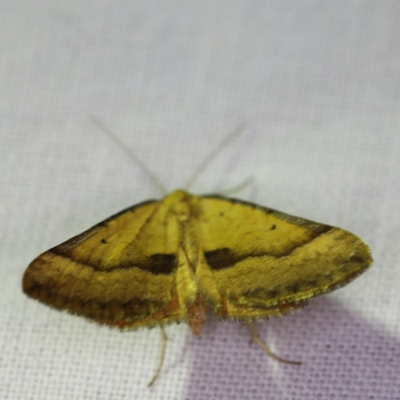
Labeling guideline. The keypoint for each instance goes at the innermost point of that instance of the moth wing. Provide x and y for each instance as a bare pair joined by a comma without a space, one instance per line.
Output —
266,263
120,272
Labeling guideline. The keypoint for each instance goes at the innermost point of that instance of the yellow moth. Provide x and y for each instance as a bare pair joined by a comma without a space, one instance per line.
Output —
169,260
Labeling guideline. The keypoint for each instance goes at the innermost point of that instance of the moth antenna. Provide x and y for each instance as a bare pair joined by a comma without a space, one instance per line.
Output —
131,154
263,346
160,364
210,157
227,192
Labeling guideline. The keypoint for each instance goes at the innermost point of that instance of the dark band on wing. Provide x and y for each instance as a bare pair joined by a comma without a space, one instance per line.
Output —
157,264
103,312
226,258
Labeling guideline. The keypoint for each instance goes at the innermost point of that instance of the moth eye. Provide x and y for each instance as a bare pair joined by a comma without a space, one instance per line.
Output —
273,227
104,241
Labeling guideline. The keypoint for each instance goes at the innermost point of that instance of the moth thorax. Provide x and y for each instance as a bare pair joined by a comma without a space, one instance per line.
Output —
182,211
179,204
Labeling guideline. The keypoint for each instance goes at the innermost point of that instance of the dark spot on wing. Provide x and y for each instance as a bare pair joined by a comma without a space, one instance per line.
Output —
157,264
294,288
356,259
221,258
273,292
313,282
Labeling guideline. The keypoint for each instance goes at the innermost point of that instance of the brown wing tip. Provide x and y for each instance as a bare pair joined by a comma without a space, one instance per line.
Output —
33,288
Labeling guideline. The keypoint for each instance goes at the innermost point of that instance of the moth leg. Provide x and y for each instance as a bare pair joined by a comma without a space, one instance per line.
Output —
160,364
263,346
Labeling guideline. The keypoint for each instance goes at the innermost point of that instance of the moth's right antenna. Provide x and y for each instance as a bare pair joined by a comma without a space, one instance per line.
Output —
206,162
228,192
133,156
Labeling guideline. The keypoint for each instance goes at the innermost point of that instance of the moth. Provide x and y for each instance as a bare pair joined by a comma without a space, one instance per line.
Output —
169,260
166,261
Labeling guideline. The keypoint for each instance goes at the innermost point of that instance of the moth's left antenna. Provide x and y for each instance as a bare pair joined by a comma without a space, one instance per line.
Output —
133,156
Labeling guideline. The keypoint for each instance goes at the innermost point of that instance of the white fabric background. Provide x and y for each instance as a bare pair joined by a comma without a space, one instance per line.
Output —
317,85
